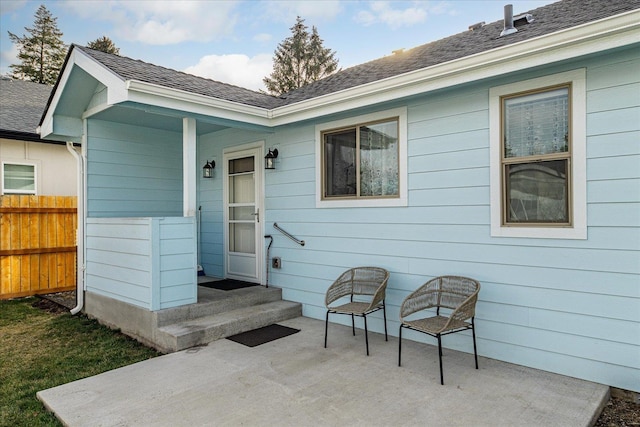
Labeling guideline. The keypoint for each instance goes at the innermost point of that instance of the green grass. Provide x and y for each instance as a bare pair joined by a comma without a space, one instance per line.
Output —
40,350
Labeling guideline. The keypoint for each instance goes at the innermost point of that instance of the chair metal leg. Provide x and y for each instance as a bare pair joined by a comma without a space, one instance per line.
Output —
326,325
353,325
473,332
366,334
384,313
400,346
440,358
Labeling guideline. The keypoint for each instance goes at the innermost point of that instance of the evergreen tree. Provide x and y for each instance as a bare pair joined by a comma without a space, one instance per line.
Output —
104,44
42,52
299,60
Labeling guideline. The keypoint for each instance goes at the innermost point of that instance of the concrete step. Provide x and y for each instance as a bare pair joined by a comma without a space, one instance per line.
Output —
213,301
203,330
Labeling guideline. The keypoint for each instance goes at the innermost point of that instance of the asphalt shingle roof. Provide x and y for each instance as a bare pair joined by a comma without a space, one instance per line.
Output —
21,106
131,69
547,19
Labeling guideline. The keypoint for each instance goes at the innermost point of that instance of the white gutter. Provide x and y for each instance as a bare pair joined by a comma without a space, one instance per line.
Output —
181,100
79,230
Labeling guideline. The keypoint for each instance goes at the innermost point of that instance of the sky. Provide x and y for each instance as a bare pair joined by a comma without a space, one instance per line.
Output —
234,41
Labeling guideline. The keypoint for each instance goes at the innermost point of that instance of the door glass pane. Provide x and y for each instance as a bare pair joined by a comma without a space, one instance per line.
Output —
379,159
537,124
537,192
340,163
242,165
242,213
241,188
242,238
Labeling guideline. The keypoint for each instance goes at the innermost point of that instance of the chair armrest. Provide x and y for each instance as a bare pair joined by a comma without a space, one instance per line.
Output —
336,291
467,309
381,292
464,311
343,286
423,298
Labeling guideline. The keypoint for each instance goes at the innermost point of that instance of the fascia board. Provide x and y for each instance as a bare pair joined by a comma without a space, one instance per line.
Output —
46,127
175,99
608,33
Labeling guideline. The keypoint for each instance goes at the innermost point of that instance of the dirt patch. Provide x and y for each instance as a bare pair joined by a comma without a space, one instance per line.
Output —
65,300
619,412
50,306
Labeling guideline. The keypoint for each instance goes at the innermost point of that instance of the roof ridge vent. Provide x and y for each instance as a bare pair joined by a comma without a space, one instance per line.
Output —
525,18
476,26
508,21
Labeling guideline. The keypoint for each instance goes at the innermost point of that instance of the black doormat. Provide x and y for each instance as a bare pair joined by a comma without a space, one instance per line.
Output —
227,284
263,335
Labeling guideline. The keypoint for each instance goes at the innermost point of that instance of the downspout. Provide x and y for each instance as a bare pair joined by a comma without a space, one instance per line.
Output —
79,231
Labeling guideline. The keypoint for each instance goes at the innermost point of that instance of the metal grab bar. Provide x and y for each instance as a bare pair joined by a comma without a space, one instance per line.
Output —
300,242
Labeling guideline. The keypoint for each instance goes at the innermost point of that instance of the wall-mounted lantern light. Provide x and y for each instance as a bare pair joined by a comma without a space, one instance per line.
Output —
269,159
207,170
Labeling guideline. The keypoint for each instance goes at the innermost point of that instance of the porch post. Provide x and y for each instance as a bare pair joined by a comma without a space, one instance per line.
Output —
189,166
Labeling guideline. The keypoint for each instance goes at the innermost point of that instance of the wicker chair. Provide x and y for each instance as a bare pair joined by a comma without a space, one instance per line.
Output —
456,294
359,282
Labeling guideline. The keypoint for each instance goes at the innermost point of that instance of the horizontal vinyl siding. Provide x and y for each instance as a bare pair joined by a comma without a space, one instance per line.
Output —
566,306
148,262
177,259
119,259
133,171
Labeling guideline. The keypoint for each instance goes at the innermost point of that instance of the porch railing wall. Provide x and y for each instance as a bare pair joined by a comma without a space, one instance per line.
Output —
147,262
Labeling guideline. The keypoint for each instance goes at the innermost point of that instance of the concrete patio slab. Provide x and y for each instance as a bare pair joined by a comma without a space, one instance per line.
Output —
294,381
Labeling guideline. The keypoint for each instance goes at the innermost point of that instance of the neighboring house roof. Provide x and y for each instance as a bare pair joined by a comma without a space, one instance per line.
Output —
547,19
21,106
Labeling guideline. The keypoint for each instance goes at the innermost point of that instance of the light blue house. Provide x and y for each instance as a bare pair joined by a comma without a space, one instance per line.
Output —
513,159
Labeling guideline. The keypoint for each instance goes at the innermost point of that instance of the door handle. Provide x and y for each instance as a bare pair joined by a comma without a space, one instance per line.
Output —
257,215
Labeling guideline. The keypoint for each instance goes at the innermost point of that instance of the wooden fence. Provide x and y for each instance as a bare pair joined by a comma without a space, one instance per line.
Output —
37,244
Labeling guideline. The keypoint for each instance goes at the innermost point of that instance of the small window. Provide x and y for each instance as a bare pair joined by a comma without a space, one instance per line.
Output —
361,161
535,158
18,178
538,157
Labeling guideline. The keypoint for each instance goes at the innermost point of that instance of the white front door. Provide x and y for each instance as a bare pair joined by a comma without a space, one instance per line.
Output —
243,214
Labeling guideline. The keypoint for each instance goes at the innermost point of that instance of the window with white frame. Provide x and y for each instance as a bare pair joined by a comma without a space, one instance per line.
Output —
18,178
538,157
361,161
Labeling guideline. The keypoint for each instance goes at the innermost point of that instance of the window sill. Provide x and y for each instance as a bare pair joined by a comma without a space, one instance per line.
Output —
362,203
540,232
